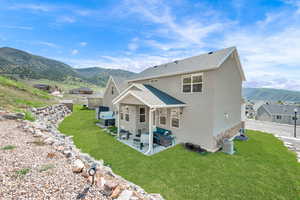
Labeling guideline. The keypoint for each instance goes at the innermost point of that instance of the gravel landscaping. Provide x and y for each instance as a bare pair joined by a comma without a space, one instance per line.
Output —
38,162
28,172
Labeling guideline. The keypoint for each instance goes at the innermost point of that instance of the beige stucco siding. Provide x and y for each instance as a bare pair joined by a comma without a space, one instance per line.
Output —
227,98
108,96
196,121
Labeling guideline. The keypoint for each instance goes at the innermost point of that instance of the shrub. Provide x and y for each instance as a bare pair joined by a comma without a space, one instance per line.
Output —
8,147
29,116
23,172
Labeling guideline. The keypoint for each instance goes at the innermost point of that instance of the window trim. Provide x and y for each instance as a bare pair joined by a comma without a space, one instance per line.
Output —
191,84
142,114
162,115
177,117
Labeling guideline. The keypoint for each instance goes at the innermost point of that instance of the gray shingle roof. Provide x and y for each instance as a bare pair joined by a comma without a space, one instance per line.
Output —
121,82
278,109
150,96
201,62
164,97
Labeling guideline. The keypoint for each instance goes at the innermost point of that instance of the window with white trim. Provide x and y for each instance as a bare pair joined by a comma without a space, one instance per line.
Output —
163,117
142,114
175,117
192,83
112,90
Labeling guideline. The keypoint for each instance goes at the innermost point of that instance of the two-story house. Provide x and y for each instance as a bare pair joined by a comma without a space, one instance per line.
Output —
197,99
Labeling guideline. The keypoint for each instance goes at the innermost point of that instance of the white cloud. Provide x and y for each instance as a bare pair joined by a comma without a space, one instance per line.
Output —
74,51
34,7
48,44
188,32
66,19
17,27
83,44
269,45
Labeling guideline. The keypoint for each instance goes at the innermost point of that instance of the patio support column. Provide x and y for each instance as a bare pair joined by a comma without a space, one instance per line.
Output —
119,106
150,150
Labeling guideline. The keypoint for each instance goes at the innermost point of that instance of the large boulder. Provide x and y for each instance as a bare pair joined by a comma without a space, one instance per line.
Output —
125,195
77,166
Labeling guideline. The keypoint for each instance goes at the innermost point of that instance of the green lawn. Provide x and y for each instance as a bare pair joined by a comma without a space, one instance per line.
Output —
262,168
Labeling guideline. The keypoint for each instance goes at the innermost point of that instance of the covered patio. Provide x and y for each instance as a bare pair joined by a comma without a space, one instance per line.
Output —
138,110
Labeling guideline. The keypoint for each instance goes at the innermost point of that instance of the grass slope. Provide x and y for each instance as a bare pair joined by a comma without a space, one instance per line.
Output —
16,95
261,169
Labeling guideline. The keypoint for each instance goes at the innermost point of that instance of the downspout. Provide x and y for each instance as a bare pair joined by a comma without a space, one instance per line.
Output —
150,150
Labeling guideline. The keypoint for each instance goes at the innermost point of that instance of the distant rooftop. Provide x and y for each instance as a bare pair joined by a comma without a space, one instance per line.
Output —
279,109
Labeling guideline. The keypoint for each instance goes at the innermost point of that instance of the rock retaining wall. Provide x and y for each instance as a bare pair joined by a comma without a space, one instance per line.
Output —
109,184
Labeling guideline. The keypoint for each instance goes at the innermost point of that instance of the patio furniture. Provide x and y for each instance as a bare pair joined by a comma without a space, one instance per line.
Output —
107,118
162,137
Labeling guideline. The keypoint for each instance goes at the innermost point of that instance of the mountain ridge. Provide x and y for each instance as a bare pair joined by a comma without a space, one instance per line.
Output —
20,63
271,94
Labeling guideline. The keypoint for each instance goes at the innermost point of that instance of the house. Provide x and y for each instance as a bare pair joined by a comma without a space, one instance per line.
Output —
82,90
278,113
114,86
95,101
44,87
195,100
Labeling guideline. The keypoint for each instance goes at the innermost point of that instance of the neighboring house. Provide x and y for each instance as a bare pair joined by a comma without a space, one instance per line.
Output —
114,86
198,99
44,87
95,101
82,90
278,113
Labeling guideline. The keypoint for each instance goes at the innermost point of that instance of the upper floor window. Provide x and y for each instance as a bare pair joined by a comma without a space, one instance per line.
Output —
112,90
192,83
278,116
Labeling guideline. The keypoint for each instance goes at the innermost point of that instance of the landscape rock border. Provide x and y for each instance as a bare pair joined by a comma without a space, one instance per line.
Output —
109,184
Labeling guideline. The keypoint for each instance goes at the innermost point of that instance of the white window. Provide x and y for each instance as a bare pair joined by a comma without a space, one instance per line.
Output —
278,116
121,114
192,83
163,117
175,117
142,114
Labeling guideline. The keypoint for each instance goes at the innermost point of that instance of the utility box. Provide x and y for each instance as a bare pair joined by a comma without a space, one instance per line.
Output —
228,146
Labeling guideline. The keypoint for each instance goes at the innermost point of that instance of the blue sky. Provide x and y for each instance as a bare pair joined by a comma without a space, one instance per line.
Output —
135,34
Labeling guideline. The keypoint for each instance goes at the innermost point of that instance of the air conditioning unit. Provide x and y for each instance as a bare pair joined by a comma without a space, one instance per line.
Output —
228,146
